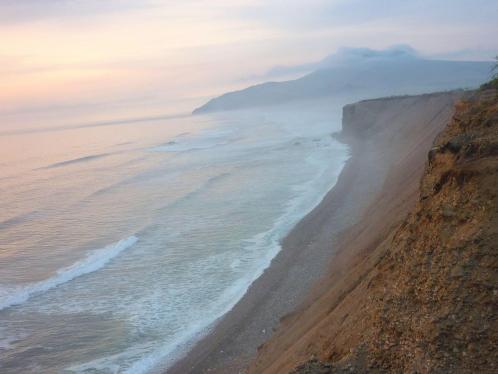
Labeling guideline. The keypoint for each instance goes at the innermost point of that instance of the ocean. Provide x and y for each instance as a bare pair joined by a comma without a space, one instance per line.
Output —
122,242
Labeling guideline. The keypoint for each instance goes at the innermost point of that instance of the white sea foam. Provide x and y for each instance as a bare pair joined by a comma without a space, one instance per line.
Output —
263,246
162,358
95,260
163,319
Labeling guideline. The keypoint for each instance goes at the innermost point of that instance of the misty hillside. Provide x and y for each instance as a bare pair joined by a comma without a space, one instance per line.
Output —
362,73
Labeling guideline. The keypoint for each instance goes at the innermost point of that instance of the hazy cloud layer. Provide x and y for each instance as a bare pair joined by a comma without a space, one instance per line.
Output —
57,53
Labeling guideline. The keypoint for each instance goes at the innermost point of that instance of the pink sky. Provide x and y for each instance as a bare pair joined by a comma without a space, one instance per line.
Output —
144,54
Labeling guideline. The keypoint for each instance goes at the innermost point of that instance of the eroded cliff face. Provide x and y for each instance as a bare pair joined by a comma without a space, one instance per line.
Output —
431,304
424,298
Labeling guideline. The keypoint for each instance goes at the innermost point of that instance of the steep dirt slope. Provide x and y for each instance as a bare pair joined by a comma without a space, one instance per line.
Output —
417,296
405,128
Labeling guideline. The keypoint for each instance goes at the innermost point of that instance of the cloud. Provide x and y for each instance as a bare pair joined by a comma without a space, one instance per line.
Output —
468,54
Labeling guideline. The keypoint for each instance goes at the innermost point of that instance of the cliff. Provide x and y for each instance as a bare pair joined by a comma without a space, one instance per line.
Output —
413,287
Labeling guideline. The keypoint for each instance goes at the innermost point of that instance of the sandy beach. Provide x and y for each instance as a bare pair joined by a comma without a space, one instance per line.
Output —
389,140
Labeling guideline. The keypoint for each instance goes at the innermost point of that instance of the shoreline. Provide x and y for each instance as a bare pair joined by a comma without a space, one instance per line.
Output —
228,323
310,247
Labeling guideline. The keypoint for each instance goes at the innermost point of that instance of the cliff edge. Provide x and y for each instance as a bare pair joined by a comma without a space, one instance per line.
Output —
420,296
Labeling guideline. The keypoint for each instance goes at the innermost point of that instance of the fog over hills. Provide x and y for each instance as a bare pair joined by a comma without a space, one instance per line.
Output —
361,73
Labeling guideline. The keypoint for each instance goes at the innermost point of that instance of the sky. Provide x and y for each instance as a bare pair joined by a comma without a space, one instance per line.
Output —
147,56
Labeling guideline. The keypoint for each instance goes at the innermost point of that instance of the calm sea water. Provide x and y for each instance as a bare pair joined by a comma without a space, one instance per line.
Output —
122,242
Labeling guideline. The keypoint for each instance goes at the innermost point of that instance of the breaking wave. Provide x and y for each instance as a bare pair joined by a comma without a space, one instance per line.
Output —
95,260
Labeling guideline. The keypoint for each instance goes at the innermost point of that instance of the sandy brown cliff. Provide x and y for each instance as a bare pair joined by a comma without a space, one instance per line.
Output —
376,189
412,293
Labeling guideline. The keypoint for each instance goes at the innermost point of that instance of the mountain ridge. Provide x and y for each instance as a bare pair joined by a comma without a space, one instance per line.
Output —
361,74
